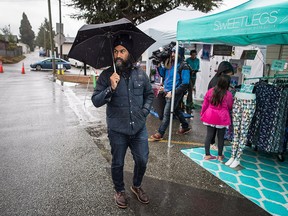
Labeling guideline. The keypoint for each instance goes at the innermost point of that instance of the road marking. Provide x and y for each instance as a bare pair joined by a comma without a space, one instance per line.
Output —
178,142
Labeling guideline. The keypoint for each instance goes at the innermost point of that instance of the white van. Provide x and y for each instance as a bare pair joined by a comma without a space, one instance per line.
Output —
76,63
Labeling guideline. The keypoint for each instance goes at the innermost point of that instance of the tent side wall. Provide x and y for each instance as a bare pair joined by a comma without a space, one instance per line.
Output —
163,28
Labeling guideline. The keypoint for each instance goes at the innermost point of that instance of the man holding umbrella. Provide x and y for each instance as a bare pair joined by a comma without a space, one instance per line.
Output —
129,96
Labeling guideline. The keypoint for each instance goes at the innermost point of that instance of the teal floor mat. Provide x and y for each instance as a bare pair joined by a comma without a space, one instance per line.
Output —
262,179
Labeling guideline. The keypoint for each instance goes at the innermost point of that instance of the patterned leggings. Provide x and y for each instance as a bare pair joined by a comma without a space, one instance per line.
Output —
243,111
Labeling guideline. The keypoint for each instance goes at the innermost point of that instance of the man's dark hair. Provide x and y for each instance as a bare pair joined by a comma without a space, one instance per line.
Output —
193,51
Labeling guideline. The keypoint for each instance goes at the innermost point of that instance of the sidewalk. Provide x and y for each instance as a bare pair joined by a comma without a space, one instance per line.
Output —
55,159
176,185
49,165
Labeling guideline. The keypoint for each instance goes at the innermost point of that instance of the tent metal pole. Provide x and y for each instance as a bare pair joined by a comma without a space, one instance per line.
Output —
173,95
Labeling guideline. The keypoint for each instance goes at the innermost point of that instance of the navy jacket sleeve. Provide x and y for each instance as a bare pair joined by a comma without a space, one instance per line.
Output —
103,91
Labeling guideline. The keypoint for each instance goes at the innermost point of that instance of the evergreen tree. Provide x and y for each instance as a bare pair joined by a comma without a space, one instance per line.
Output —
43,37
137,11
27,35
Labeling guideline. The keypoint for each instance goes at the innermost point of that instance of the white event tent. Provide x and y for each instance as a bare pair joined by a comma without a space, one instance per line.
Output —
163,29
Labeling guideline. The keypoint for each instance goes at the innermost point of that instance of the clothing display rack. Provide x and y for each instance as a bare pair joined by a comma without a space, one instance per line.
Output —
272,100
276,76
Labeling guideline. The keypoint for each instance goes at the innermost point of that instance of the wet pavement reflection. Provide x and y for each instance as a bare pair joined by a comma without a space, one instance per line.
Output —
175,184
55,158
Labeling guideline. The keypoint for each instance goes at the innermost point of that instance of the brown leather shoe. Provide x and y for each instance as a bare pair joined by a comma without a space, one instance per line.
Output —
182,131
156,137
140,194
121,200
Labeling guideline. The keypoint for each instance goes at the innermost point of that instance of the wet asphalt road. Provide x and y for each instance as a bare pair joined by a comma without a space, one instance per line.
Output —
55,159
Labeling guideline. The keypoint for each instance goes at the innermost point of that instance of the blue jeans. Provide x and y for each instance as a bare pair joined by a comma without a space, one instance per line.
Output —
177,112
138,145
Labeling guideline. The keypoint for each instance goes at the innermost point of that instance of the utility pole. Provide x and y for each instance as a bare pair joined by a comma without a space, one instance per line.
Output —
51,41
45,48
60,21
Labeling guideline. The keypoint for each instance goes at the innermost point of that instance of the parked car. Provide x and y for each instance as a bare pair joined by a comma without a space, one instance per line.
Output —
76,63
42,53
47,64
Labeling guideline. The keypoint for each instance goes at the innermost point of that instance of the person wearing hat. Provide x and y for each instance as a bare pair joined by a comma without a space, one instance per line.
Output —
166,71
224,68
128,96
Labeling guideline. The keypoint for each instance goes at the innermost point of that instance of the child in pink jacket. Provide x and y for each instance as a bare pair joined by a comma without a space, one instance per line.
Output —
215,114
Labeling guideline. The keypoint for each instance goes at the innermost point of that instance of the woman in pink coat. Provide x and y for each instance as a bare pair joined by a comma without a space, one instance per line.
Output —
215,114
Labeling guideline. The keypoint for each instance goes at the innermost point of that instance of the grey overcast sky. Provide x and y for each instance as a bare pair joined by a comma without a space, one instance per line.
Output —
36,10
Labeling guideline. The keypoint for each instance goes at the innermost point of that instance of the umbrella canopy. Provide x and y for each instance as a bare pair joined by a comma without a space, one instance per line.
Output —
261,22
93,43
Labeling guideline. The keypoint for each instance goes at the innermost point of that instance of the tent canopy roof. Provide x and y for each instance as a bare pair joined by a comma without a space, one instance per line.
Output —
261,22
168,21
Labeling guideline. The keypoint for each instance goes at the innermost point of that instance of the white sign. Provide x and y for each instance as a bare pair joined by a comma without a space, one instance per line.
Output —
278,65
246,88
59,39
58,29
246,69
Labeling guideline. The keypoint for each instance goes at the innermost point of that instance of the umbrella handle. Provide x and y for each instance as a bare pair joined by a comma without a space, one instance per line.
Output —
114,66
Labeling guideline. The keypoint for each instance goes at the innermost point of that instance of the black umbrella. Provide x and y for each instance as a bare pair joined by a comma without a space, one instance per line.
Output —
93,43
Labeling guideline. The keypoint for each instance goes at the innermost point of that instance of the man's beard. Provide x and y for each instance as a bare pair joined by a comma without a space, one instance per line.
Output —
122,65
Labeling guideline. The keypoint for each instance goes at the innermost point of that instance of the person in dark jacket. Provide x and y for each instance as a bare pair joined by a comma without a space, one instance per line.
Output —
224,68
182,83
128,96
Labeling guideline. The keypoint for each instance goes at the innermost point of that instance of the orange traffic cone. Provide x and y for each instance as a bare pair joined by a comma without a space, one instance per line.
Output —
1,68
23,69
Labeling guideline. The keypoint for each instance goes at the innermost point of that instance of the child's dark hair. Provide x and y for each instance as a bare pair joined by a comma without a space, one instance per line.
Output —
220,89
224,67
193,51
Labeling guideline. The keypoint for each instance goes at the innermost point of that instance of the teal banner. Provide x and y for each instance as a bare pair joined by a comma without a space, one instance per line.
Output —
262,22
